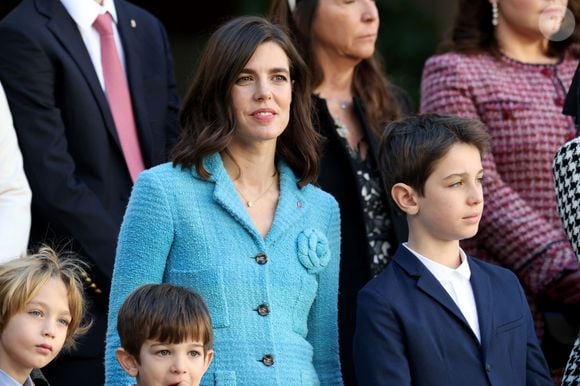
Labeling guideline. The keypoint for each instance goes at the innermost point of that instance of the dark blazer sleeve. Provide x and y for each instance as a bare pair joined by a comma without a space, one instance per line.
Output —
29,76
379,352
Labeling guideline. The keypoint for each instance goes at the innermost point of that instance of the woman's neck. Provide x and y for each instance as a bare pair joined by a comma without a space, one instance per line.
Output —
525,49
249,168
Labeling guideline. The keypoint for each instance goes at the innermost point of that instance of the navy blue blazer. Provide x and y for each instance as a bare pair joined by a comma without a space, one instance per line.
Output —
72,155
410,332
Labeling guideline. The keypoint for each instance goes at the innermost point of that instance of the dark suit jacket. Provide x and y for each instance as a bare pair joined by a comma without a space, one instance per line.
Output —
72,156
338,177
410,332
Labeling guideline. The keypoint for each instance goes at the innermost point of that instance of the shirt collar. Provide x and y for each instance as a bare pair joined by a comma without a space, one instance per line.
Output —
7,380
443,272
84,12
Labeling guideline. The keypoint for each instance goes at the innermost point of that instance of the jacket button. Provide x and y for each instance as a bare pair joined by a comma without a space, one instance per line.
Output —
263,310
261,258
487,367
267,360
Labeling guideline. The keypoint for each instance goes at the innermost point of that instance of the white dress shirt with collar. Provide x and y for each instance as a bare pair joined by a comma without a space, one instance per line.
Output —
84,13
456,283
7,380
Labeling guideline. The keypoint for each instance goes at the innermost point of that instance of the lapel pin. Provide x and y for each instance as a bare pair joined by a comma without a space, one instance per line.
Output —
133,23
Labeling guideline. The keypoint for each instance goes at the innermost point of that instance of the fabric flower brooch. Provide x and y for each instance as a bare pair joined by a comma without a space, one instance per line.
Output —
313,250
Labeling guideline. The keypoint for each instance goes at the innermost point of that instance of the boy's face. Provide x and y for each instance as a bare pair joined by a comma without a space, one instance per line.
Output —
451,206
163,364
35,335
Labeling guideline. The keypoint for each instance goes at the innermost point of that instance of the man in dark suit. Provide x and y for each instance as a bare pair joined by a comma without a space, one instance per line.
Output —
50,67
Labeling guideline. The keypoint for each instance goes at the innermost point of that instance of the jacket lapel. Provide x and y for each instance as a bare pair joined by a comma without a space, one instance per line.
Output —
428,284
483,301
292,204
290,209
66,32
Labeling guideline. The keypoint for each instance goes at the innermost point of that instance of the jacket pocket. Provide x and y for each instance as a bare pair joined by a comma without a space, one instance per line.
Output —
224,378
209,284
508,326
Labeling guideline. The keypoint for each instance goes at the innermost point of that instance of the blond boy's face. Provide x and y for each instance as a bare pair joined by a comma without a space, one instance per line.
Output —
162,364
451,206
34,336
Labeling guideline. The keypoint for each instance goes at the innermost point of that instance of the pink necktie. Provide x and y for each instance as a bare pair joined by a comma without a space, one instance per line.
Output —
117,90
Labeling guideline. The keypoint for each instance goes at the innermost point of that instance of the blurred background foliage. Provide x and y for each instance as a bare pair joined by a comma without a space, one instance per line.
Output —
410,32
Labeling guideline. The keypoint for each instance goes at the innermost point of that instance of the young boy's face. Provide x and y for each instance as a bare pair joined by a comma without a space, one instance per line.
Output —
162,364
35,335
451,206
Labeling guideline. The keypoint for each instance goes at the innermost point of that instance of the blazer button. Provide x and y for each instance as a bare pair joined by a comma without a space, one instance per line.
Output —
267,360
487,367
261,258
263,310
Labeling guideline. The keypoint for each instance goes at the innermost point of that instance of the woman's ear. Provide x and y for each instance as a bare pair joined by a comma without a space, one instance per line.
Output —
128,362
406,198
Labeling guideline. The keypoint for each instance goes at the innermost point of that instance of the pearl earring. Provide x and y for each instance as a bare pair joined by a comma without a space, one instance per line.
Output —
494,13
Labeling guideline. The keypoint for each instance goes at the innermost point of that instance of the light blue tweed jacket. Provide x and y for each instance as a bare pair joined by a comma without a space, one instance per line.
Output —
182,229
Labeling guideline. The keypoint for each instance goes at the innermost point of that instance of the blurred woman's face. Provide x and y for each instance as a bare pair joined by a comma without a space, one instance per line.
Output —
346,28
530,18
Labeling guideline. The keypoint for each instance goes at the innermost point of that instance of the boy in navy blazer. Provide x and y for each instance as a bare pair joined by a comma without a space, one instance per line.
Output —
436,316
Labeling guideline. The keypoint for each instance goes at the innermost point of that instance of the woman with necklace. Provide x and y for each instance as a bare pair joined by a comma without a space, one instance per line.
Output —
353,101
236,218
510,63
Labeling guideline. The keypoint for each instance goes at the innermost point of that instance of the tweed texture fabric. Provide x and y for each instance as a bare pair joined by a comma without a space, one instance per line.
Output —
273,301
521,104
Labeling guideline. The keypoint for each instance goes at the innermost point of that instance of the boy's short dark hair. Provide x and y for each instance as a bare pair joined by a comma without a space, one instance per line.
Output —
163,312
411,147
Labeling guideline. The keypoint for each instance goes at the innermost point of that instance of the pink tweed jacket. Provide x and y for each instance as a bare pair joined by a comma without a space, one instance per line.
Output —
521,104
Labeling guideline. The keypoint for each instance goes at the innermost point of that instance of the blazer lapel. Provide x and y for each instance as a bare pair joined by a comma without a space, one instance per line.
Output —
292,204
483,301
290,207
128,26
227,197
66,32
427,283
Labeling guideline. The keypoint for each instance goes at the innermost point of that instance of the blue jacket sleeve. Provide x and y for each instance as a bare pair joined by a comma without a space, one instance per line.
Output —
323,319
144,243
379,352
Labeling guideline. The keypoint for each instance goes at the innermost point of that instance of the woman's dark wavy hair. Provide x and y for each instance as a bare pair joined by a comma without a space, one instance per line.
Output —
472,31
207,117
370,83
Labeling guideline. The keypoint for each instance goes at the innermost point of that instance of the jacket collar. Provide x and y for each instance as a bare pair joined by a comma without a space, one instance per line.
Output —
428,284
292,204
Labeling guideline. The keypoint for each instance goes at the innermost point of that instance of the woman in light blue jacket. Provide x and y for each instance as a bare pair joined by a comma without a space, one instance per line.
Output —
236,217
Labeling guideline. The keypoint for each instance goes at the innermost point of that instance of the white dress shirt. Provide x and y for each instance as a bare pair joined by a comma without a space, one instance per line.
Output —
456,283
84,13
7,380
15,192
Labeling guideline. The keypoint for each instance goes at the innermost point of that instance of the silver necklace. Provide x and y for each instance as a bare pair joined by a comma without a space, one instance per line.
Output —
250,203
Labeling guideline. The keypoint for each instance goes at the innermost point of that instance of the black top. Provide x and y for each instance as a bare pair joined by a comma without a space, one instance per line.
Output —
338,177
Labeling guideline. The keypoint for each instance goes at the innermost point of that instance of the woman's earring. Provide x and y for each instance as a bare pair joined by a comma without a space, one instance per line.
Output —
494,13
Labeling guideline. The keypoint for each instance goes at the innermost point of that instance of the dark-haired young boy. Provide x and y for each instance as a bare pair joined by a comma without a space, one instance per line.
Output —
436,316
166,336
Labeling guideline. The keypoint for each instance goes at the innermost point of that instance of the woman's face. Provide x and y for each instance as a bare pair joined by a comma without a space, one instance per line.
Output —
261,96
530,18
346,28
